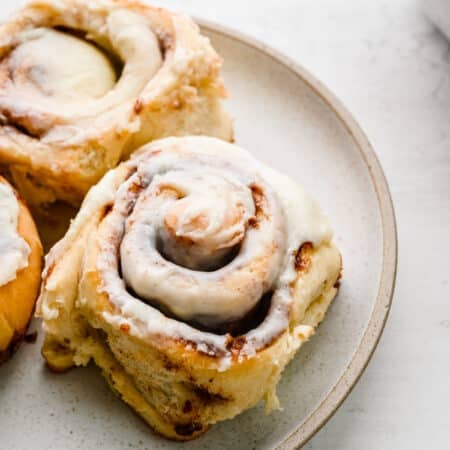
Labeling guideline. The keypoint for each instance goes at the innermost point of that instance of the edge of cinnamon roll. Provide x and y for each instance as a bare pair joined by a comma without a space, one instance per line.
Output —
182,373
82,84
20,262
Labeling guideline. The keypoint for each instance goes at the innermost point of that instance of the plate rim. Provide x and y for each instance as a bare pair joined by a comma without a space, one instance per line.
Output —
351,374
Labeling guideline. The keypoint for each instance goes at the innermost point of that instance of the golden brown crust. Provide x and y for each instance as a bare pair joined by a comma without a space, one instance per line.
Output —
17,298
173,386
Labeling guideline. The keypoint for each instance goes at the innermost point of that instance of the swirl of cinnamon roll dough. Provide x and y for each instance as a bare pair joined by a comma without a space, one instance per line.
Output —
191,275
20,269
84,83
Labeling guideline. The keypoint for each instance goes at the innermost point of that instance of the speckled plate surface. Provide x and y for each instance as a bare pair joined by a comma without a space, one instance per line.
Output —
289,120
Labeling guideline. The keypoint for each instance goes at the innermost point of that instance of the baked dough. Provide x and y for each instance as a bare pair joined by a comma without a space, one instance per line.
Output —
191,276
83,83
20,269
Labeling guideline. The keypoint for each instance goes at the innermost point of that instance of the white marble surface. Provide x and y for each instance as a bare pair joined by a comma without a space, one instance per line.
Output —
392,70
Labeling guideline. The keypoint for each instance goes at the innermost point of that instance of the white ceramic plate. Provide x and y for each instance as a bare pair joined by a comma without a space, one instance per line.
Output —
289,120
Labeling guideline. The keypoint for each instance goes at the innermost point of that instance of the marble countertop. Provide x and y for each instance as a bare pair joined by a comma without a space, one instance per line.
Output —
391,69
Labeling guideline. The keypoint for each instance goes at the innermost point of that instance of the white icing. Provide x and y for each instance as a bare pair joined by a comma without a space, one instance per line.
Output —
213,212
58,65
214,297
14,250
304,221
61,85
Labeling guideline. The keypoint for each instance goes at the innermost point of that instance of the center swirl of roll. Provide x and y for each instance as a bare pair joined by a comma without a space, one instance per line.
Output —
201,240
206,217
54,64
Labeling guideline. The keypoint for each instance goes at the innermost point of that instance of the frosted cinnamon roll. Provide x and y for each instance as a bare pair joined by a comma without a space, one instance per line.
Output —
20,269
83,83
191,275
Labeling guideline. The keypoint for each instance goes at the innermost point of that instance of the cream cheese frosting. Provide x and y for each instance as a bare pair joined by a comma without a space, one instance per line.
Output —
74,70
209,214
53,92
14,250
303,220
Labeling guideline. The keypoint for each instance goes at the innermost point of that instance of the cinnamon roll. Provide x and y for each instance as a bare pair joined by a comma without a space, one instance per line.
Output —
191,275
83,83
20,269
